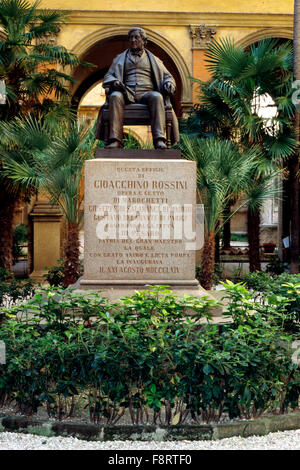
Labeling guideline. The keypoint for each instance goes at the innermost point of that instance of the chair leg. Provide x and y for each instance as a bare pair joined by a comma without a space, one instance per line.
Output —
169,130
106,132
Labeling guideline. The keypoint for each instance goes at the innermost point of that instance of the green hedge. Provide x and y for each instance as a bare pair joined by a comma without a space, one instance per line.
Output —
148,356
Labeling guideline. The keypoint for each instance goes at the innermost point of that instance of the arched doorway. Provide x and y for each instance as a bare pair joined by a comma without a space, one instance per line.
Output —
284,34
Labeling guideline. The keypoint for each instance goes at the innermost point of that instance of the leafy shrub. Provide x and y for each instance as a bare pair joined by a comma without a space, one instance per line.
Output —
57,308
278,290
149,355
276,266
277,300
56,274
4,274
260,281
15,291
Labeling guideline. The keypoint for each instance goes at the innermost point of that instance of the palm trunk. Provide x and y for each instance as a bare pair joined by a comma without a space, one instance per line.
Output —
226,229
7,207
294,161
217,248
208,261
71,254
253,229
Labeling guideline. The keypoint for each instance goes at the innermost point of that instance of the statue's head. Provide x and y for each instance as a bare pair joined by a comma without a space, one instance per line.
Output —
137,38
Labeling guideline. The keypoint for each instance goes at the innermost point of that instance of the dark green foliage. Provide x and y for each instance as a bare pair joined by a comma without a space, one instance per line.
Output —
56,274
25,51
267,284
275,266
147,355
14,291
21,233
20,236
4,274
130,142
239,237
277,298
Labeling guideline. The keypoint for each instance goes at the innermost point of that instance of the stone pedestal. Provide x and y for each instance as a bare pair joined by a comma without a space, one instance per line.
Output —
140,223
47,228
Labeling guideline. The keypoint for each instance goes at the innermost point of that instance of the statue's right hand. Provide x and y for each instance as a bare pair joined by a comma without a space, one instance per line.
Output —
117,85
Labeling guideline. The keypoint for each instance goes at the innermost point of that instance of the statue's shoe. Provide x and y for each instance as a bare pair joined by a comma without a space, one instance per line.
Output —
160,144
114,145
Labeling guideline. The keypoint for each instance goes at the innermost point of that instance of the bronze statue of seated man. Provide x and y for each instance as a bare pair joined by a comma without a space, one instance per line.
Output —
137,76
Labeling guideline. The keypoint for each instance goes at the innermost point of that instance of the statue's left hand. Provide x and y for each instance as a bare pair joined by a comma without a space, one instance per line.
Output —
169,88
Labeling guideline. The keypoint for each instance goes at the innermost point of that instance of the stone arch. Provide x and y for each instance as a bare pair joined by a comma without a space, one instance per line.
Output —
114,31
284,33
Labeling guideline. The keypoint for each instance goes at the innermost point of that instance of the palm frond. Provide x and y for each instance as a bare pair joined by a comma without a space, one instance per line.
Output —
262,190
225,59
280,146
54,54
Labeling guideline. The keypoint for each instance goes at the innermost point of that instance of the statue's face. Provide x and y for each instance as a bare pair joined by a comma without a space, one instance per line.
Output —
135,40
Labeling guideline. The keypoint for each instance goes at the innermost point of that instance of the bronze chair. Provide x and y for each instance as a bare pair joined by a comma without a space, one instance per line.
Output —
137,115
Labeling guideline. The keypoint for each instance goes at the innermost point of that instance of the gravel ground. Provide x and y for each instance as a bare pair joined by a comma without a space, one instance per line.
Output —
287,440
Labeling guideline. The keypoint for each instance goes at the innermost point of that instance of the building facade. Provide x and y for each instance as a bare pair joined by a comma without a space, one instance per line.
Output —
178,32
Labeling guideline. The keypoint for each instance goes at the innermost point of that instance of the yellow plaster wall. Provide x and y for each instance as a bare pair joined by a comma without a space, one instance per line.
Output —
71,35
249,6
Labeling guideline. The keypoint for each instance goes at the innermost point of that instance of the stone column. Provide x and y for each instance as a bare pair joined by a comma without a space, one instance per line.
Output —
47,237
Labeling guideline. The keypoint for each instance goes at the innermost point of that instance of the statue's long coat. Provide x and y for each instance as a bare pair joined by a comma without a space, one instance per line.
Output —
160,76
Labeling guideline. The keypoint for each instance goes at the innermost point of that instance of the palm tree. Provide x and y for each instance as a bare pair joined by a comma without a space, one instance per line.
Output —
29,68
63,183
212,119
223,172
239,78
39,157
28,62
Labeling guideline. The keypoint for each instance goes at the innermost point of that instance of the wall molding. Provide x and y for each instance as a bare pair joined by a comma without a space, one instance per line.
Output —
180,18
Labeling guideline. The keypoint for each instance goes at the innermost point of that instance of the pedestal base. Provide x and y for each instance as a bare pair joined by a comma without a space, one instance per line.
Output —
140,223
47,238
